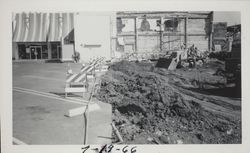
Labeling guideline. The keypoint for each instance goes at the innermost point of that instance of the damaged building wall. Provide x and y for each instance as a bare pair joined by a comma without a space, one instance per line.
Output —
141,32
198,31
219,36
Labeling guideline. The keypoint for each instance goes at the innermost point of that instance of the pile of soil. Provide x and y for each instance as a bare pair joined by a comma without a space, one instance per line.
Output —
154,105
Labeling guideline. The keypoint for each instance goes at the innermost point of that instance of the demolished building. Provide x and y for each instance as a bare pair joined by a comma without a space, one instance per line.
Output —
46,36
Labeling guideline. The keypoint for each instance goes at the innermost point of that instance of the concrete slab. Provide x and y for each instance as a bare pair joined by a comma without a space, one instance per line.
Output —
100,129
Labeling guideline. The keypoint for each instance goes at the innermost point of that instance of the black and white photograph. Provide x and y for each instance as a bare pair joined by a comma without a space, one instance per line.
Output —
146,77
119,79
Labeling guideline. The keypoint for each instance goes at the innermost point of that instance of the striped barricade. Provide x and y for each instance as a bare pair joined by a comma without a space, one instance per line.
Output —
78,82
101,66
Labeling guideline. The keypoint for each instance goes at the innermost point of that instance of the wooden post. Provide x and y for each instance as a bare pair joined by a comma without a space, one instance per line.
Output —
136,35
161,34
211,32
185,31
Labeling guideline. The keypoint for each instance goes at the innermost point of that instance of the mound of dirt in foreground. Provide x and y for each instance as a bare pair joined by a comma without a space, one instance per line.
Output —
150,107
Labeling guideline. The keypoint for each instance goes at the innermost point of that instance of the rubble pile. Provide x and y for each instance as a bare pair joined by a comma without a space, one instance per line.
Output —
153,105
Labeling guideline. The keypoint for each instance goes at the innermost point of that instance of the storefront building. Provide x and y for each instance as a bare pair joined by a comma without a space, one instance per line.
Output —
41,36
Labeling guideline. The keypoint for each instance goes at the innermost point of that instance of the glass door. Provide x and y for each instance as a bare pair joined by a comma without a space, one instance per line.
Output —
35,52
39,52
32,52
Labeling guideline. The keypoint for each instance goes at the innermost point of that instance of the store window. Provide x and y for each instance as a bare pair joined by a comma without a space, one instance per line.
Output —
56,52
32,52
44,52
23,52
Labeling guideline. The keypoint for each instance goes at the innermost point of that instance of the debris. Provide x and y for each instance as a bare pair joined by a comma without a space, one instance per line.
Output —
158,133
164,139
150,139
179,142
156,141
229,132
147,100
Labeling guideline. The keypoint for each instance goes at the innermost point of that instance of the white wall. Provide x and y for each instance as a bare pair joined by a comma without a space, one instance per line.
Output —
67,52
93,35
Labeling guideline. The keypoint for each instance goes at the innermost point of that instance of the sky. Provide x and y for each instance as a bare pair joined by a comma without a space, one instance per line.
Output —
232,18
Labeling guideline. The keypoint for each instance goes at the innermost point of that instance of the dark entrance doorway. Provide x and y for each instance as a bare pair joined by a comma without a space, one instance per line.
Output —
35,52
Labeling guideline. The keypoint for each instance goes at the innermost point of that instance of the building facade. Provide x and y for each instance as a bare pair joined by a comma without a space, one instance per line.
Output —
163,31
48,36
41,36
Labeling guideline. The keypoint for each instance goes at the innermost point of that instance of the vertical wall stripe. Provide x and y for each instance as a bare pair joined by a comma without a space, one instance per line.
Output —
38,26
45,31
31,29
44,22
56,33
13,22
17,29
50,26
60,21
47,26
72,27
64,25
68,24
26,26
22,28
41,27
35,25
53,27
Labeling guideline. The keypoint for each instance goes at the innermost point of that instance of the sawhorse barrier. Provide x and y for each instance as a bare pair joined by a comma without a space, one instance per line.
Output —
78,82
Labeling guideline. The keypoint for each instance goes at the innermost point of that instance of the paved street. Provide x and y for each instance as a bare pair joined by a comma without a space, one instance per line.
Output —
39,107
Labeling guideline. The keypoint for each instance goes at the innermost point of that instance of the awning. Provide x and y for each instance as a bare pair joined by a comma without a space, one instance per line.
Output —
30,27
61,26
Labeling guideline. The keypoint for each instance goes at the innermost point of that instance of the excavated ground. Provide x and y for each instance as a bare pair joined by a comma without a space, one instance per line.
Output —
156,106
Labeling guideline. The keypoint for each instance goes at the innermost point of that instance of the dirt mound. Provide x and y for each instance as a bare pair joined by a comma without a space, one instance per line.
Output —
147,105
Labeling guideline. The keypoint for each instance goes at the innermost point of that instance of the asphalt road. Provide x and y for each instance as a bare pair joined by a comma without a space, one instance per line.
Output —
39,107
